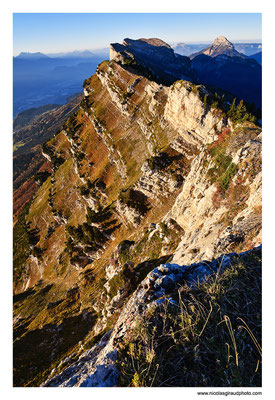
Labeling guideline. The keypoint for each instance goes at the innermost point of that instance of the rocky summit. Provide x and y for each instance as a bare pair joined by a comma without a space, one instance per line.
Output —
137,256
154,57
220,46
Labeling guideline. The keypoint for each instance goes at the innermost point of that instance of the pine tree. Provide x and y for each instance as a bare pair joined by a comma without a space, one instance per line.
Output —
232,110
240,111
205,101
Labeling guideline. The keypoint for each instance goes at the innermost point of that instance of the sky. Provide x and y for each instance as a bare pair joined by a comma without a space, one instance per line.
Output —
58,32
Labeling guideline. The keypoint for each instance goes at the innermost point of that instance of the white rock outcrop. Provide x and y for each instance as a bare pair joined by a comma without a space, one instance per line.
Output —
185,112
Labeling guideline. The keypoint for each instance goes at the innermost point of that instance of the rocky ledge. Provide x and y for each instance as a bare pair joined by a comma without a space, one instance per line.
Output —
97,366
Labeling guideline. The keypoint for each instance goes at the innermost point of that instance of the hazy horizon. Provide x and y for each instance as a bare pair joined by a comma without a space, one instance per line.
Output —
52,33
107,46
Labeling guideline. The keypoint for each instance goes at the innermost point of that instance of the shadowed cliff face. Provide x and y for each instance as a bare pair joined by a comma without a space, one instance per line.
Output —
141,174
219,65
155,59
240,76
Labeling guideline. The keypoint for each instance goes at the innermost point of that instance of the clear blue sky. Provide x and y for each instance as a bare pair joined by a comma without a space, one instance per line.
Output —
56,32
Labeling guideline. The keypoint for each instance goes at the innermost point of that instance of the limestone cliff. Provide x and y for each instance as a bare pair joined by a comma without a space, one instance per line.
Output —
146,180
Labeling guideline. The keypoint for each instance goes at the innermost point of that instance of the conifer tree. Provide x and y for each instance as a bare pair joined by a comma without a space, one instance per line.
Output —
232,111
240,111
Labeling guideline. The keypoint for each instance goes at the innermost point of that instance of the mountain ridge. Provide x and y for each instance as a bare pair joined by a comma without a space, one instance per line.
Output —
149,187
31,56
225,68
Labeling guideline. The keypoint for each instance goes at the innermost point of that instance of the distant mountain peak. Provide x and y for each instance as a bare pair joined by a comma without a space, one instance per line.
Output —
27,55
222,40
220,46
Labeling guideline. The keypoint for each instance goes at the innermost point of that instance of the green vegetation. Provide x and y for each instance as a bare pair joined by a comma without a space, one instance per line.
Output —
84,191
91,188
223,170
56,159
148,248
47,149
86,82
41,177
91,237
50,201
135,199
130,276
38,252
79,156
124,250
151,247
237,113
160,161
85,234
92,244
213,100
210,336
71,125
101,215
240,113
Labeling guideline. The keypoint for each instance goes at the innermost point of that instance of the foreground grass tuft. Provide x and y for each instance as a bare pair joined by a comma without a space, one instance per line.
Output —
211,336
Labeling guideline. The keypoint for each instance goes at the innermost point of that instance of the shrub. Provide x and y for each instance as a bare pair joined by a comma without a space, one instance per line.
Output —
57,161
124,250
79,155
223,170
41,177
38,252
228,175
159,162
101,215
84,191
135,199
47,149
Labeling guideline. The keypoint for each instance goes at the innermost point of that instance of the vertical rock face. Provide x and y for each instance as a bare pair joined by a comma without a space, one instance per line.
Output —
208,233
186,113
141,174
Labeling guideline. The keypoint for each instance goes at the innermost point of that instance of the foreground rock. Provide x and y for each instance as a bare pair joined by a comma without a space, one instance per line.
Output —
97,366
